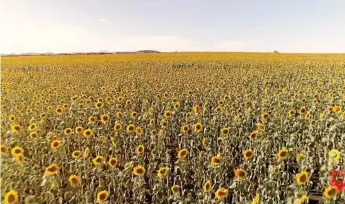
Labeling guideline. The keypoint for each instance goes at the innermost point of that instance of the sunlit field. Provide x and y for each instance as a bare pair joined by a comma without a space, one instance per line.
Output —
173,128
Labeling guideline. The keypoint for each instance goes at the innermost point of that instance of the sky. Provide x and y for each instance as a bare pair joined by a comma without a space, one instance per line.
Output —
315,26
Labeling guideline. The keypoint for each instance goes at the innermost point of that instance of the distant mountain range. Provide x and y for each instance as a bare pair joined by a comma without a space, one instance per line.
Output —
103,52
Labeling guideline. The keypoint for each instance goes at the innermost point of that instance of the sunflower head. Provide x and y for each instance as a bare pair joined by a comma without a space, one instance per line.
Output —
139,170
140,149
207,186
113,162
175,189
260,127
87,133
32,127
52,169
292,113
167,114
253,135
33,135
225,131
282,154
182,153
11,197
185,129
248,154
240,174
216,161
130,128
117,126
55,144
98,161
163,172
74,181
4,149
68,131
102,196
336,109
138,131
105,118
302,177
222,193
79,130
334,155
17,151
198,127
331,192
76,154
265,116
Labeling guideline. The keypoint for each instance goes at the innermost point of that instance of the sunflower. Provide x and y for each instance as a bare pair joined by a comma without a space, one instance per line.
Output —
17,151
119,115
117,126
91,119
16,128
79,130
334,155
58,110
265,116
219,109
112,162
11,197
74,181
164,124
260,127
253,135
99,105
302,199
207,186
182,153
240,174
302,110
163,172
105,119
55,144
216,161
204,141
140,149
185,129
197,127
76,154
256,199
167,114
134,114
282,154
32,127
98,161
292,113
4,149
87,133
331,192
222,193
138,131
302,177
102,196
176,105
33,135
225,131
68,131
336,109
175,189
86,152
19,158
139,170
12,118
196,109
52,169
248,154
130,128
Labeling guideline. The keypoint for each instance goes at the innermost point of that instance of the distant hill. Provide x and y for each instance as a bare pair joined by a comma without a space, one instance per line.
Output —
148,51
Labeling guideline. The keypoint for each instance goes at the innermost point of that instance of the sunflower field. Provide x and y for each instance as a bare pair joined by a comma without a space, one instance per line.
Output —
173,128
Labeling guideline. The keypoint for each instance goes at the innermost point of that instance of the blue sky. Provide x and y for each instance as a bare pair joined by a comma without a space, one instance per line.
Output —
172,25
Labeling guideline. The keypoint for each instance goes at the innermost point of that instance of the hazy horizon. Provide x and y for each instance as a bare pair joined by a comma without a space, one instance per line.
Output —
168,26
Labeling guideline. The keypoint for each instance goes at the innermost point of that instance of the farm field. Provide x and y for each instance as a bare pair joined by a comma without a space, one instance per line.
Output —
173,128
